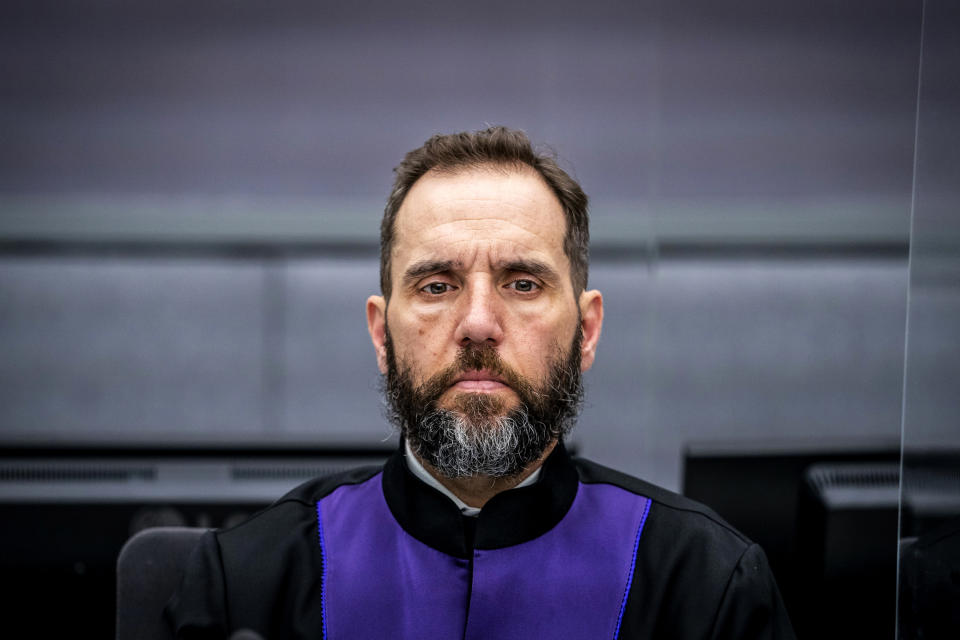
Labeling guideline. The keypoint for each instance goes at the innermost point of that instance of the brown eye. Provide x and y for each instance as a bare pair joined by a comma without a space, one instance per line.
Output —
436,288
524,286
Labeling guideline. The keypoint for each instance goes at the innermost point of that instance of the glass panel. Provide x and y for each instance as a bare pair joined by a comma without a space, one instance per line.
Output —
929,572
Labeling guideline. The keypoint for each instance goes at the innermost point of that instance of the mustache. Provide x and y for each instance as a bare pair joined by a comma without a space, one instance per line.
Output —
475,357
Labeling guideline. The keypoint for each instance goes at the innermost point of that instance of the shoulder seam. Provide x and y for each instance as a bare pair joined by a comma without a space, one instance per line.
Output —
702,511
726,587
223,579
661,503
335,485
288,499
267,509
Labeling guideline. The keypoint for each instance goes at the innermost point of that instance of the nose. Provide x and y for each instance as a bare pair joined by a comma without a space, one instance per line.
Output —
480,316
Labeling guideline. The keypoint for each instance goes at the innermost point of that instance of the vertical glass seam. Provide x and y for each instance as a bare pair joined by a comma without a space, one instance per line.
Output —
906,329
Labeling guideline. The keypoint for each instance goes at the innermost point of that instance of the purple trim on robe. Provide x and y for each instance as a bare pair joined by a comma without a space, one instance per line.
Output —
569,582
323,572
380,582
633,565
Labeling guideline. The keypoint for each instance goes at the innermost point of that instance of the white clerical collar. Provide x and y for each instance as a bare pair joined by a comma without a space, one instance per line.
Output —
413,463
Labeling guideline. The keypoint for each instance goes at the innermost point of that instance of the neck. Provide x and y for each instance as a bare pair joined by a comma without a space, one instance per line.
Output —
476,491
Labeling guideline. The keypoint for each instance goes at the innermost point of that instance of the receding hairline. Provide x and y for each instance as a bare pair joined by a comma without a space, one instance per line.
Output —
493,167
481,166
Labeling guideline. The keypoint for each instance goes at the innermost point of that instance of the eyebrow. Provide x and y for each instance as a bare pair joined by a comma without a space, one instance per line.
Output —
424,268
533,267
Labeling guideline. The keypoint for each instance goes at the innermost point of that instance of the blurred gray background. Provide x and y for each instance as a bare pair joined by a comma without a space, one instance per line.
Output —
190,193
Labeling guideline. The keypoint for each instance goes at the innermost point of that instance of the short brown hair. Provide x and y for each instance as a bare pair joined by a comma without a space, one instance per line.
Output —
494,146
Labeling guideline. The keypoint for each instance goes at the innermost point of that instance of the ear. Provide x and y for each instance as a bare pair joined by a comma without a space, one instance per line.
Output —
377,325
591,319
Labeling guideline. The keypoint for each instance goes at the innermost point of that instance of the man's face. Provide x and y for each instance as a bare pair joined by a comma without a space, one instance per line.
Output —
482,316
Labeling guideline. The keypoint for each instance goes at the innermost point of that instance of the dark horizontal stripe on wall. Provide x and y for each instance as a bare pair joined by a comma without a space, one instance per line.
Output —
601,251
749,250
168,249
259,449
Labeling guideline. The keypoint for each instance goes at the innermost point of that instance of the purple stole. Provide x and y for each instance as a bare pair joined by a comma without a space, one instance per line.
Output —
571,582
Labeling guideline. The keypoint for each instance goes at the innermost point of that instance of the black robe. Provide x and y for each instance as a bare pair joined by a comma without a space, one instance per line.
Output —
586,552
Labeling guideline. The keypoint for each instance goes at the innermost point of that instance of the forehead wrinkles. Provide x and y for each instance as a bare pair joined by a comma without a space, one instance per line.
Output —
480,194
479,242
488,257
520,228
487,214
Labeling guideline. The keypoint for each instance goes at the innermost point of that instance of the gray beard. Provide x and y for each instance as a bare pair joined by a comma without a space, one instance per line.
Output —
478,438
460,449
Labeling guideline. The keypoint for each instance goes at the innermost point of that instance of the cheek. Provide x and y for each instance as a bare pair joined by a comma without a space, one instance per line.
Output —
535,346
421,340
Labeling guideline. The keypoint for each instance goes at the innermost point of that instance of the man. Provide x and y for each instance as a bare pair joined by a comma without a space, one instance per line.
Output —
481,525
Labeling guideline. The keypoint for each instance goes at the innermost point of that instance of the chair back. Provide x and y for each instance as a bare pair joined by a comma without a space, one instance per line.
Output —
149,569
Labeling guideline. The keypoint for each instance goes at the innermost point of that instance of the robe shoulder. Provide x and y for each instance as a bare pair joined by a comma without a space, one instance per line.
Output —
695,575
262,574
